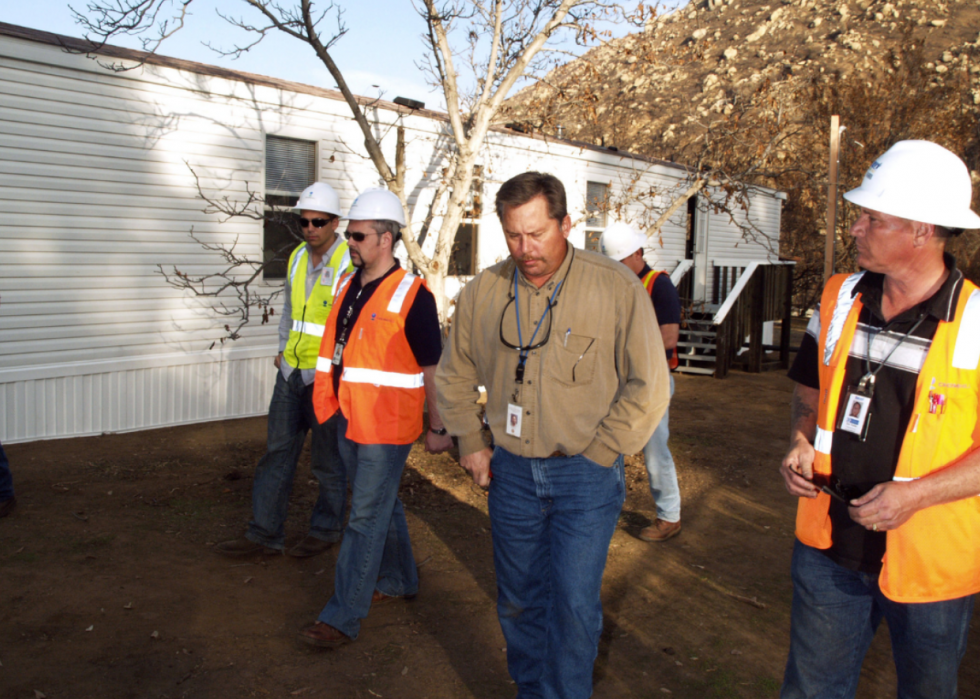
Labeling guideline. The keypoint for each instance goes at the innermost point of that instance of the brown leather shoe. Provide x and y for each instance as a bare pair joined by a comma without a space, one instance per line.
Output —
7,506
323,636
661,530
310,546
380,598
243,547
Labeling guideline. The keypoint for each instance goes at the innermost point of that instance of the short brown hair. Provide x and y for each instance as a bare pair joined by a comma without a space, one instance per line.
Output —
519,190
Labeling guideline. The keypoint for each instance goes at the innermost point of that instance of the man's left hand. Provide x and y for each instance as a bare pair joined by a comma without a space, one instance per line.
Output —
886,506
437,443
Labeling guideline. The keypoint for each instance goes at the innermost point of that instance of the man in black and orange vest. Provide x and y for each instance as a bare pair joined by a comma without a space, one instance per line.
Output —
624,243
375,372
884,441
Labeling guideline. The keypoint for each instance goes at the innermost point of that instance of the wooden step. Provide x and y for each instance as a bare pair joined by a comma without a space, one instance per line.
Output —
695,370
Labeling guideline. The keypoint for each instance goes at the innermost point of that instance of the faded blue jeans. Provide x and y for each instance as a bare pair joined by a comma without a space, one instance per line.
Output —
552,521
661,472
6,480
835,614
291,416
377,552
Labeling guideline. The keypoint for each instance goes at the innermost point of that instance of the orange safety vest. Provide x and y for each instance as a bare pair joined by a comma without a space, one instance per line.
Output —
935,555
381,392
648,282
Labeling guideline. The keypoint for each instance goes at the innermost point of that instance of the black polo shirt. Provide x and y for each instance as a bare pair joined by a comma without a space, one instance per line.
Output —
859,466
666,302
421,324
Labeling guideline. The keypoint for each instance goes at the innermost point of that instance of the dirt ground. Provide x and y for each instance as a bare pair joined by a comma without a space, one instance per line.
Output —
109,587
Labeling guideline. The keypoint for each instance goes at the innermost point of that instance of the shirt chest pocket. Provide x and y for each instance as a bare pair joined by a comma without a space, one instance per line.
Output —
573,360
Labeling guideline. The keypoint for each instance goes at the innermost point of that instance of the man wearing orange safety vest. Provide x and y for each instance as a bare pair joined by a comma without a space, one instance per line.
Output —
622,242
883,449
374,374
312,277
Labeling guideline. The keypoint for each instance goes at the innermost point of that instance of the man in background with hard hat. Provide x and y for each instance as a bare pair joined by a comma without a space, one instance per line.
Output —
888,524
566,344
313,274
622,242
374,374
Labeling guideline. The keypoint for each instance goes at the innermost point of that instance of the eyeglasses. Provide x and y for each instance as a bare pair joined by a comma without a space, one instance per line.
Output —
316,222
357,236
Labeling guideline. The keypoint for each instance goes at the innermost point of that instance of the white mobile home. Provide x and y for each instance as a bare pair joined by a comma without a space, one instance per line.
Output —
99,177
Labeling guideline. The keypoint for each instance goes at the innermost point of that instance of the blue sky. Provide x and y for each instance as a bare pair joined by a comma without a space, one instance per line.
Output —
380,51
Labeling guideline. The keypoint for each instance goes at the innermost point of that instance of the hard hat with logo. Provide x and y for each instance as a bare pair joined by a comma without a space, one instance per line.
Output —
920,181
376,204
620,240
319,196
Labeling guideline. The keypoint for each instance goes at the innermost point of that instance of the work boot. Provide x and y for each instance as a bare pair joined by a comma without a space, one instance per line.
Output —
660,530
243,547
310,546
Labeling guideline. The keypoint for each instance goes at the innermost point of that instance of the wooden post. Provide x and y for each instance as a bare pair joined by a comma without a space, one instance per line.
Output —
828,260
787,327
756,320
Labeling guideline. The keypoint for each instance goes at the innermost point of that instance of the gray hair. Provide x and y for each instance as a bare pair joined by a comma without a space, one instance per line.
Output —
386,226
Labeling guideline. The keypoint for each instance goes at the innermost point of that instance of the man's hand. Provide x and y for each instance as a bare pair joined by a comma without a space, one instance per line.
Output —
886,506
477,465
797,469
437,443
278,360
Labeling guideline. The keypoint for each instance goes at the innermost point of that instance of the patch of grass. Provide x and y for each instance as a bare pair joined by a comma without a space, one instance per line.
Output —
25,557
192,508
723,684
768,687
95,542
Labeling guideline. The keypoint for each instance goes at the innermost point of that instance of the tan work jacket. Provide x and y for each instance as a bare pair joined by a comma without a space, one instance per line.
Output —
599,385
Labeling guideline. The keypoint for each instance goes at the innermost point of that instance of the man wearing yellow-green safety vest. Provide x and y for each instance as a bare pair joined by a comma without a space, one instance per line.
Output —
312,277
884,441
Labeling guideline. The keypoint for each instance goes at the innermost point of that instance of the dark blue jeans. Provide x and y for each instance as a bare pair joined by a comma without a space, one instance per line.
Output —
835,614
6,480
552,521
291,416
377,552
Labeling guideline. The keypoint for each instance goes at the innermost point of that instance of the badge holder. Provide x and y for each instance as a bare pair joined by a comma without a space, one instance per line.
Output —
338,353
856,417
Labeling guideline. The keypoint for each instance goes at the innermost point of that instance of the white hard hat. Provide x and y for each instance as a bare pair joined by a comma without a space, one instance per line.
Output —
376,204
620,240
319,196
920,181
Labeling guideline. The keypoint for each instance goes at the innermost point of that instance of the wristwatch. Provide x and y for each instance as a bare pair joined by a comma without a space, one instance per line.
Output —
442,431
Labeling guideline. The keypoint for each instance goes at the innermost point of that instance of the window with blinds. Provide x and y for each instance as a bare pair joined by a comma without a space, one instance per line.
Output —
596,205
290,165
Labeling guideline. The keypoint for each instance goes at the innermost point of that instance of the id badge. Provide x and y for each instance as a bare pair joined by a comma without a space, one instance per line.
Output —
326,276
513,420
857,413
338,353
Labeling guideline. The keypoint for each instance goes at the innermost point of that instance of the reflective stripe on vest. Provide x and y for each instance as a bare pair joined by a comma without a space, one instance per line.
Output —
376,377
309,313
308,328
935,555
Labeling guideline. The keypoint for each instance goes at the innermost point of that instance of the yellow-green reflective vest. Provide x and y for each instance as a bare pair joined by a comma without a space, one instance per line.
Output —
309,315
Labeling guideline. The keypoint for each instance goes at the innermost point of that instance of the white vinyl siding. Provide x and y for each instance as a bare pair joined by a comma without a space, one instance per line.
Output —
96,191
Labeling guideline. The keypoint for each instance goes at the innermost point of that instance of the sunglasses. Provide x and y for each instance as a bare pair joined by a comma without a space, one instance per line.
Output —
357,237
316,222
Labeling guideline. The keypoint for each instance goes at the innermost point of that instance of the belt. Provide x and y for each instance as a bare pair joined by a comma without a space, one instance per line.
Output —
556,453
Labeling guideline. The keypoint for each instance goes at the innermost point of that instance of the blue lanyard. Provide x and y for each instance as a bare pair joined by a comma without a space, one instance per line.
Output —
520,341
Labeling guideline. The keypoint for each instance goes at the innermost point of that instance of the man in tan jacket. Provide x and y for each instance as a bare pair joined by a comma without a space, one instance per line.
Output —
566,343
